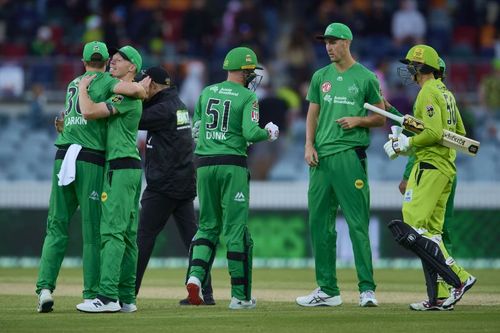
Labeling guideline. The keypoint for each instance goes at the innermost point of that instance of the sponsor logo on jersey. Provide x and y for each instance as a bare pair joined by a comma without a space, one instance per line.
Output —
327,98
94,196
228,91
255,111
326,87
240,197
408,195
340,78
104,196
117,99
353,90
342,100
182,119
430,110
359,184
215,89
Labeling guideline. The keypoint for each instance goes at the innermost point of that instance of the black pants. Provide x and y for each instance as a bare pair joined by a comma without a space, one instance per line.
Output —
156,210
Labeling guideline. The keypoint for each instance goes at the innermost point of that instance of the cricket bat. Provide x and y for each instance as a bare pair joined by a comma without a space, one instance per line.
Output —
450,139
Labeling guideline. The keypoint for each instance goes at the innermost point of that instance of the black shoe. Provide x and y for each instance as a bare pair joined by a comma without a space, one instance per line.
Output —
209,300
184,302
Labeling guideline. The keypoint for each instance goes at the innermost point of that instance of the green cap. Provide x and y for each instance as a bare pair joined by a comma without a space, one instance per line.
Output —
97,51
240,58
131,54
337,31
423,54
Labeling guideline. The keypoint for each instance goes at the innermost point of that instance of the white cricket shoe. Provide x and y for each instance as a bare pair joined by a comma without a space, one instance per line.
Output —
237,304
457,293
97,306
426,306
193,286
319,298
45,301
128,307
367,299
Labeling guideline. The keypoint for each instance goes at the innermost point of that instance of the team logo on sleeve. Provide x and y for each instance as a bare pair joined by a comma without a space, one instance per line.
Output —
117,99
430,110
326,87
255,111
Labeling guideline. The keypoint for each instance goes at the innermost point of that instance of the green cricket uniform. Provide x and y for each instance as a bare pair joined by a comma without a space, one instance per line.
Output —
431,178
341,178
84,191
228,115
120,202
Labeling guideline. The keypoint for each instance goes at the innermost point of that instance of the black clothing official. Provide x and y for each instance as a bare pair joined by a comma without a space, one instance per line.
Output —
169,169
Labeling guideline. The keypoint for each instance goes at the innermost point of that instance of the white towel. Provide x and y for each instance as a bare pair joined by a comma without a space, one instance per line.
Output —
67,173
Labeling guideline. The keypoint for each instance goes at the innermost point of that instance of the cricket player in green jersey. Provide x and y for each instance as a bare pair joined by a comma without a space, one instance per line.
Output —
121,188
225,122
337,135
83,186
430,181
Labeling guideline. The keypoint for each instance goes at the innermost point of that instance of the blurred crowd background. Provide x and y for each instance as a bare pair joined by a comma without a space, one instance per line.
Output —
41,43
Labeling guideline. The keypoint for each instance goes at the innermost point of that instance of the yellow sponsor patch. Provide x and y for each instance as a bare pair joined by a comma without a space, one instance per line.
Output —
104,196
359,184
117,99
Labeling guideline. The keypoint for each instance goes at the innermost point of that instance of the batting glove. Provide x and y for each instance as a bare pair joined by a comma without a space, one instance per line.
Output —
272,130
389,150
402,143
196,130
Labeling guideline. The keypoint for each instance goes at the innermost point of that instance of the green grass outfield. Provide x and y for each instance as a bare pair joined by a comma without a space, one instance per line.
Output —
275,290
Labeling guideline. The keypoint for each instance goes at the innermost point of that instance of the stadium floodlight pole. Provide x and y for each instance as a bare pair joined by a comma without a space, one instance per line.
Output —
449,139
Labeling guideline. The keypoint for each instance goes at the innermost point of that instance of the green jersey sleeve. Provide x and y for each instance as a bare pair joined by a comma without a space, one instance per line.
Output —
395,111
123,127
314,91
250,122
373,90
409,166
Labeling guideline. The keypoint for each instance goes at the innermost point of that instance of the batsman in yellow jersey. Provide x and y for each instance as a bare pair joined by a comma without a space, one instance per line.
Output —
430,181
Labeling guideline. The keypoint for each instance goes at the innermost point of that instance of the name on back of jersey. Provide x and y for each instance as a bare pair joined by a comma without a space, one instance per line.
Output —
214,135
74,120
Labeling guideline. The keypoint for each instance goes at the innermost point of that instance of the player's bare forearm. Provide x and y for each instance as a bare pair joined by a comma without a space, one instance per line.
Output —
311,123
89,109
132,89
372,120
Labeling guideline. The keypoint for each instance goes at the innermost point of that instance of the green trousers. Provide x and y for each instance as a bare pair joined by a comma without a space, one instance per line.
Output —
85,192
119,222
223,193
340,180
424,207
